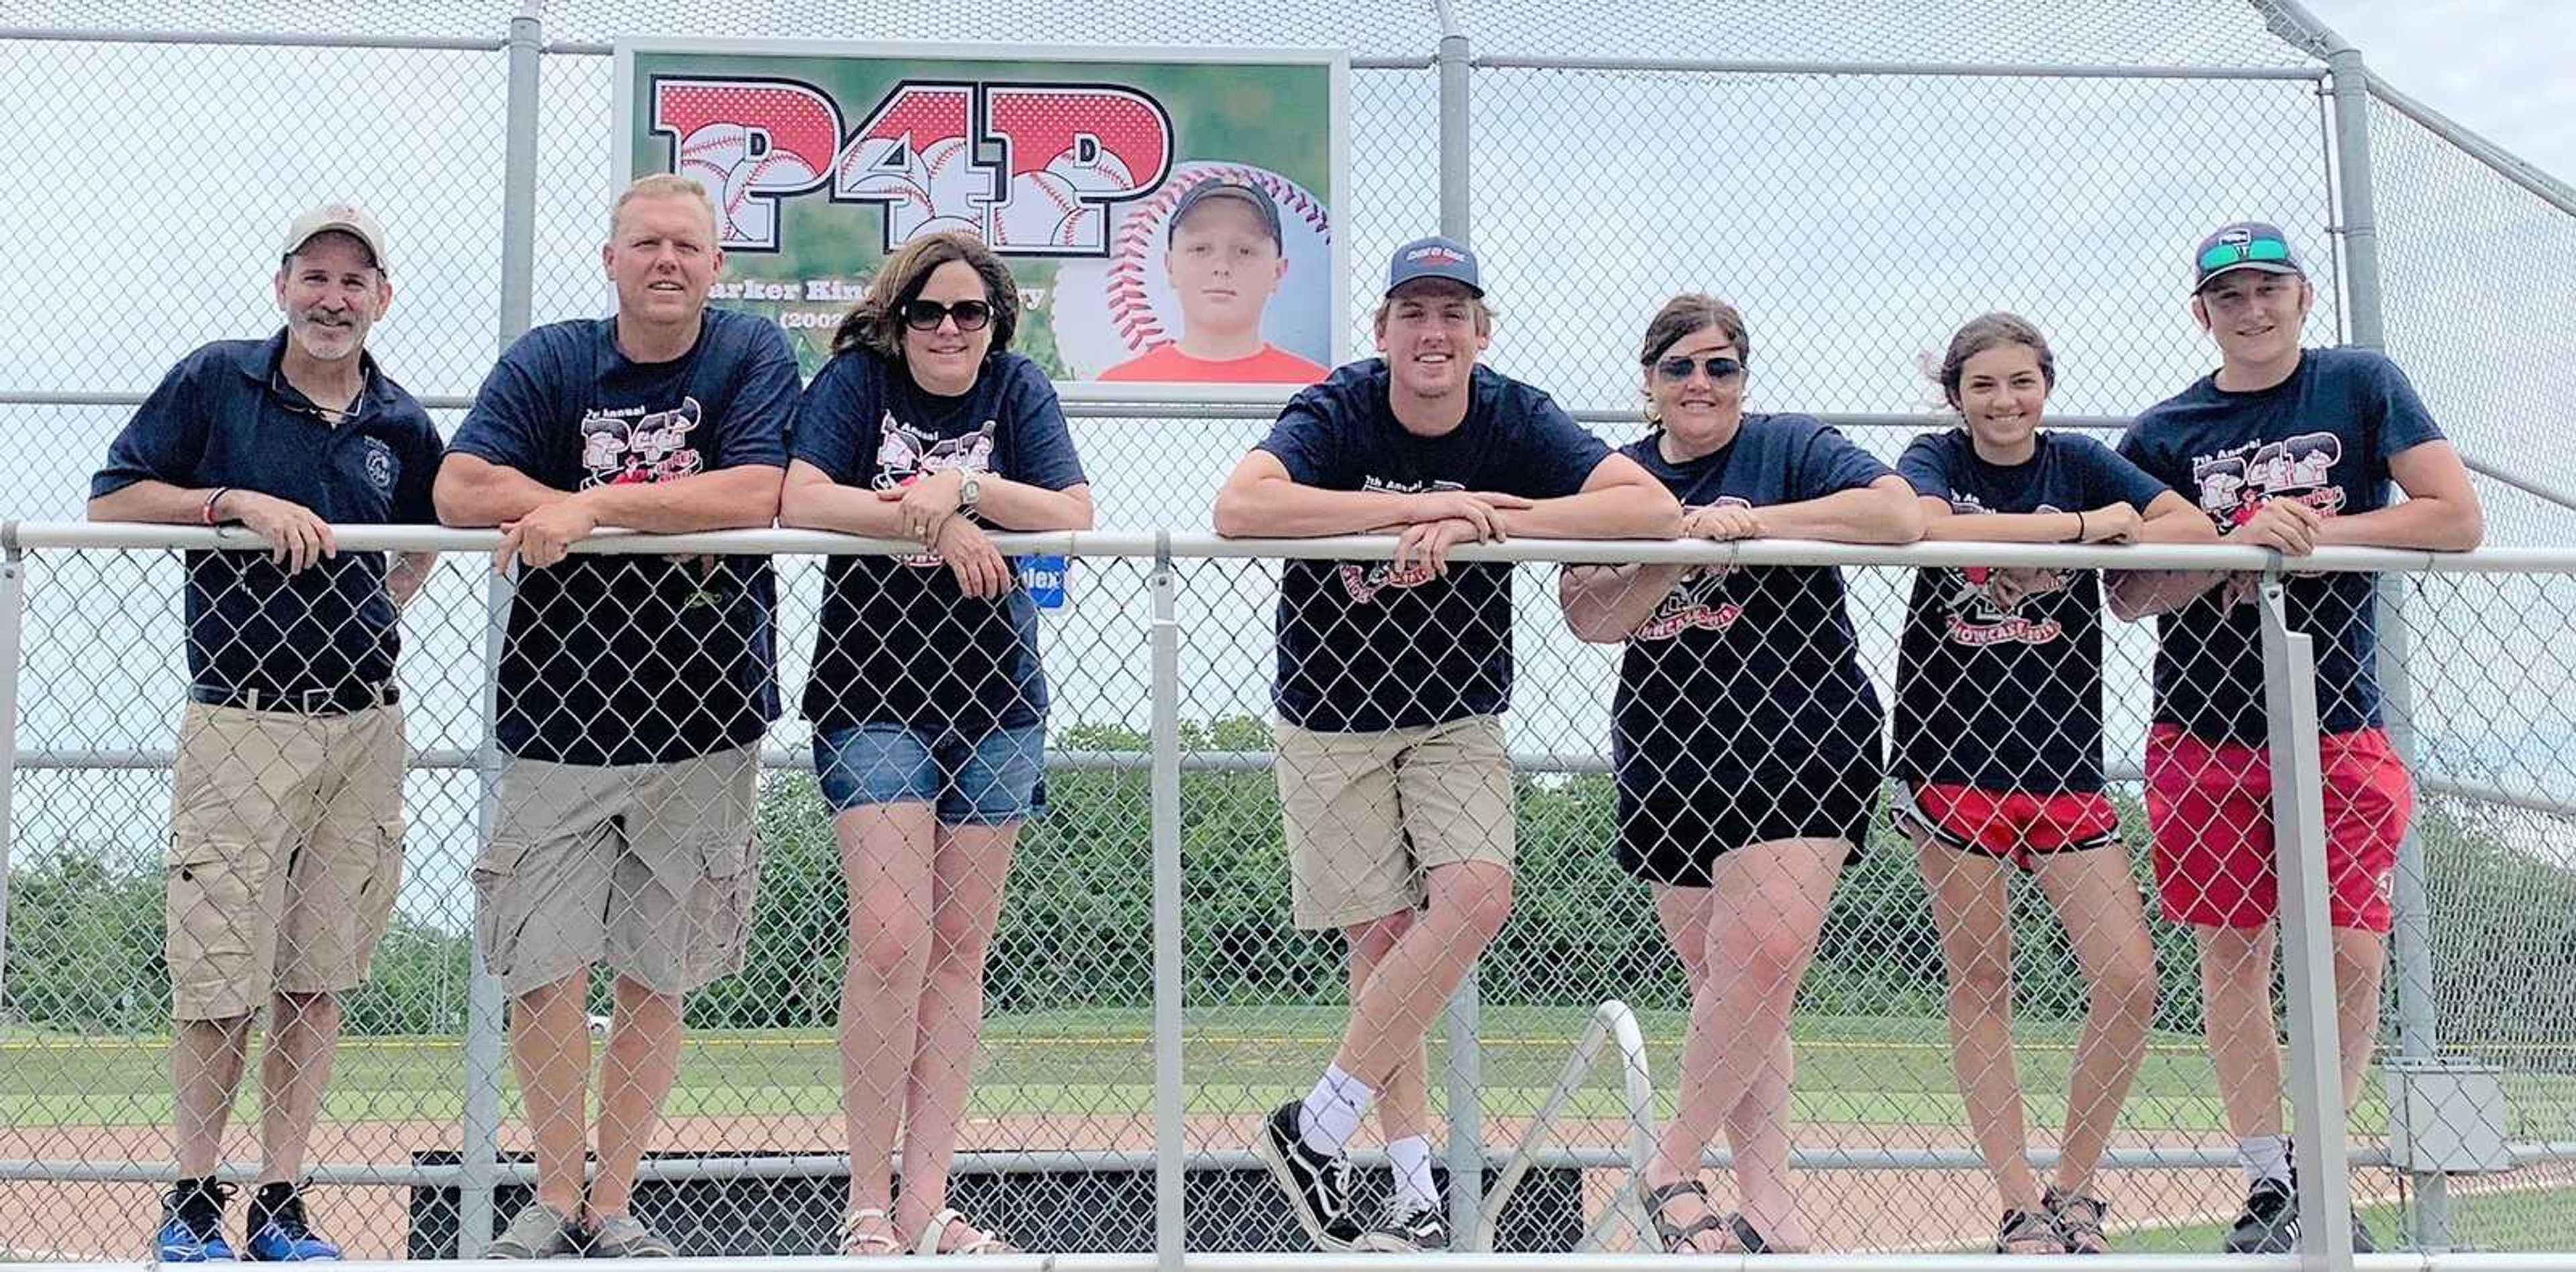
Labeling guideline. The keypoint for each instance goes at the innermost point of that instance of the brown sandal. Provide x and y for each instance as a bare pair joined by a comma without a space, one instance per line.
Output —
1677,1238
2080,1217
2029,1232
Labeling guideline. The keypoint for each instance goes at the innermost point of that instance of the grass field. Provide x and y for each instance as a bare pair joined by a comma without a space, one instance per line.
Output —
1860,1081
1100,1063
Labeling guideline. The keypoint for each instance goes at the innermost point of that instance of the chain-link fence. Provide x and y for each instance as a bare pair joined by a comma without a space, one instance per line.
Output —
2074,969
1838,183
1830,167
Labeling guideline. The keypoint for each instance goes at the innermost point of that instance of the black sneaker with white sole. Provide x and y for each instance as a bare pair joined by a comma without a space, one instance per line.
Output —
1318,1187
1407,1227
2269,1224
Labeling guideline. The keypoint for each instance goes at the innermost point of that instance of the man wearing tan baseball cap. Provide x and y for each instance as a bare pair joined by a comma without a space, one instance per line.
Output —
286,823
338,218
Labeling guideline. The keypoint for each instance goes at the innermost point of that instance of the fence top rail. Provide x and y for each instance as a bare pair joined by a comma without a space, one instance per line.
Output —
2502,162
255,39
1607,1262
1944,70
17,536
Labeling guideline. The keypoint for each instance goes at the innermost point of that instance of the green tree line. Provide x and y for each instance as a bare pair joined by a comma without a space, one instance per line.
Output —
83,950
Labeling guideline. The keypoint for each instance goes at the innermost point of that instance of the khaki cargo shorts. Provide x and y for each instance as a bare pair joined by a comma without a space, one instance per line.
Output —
650,868
1368,814
285,852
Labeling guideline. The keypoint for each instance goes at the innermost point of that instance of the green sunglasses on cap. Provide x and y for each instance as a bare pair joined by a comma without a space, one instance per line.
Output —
2218,256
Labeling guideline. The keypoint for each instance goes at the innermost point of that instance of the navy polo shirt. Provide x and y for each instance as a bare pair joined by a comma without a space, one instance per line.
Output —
225,417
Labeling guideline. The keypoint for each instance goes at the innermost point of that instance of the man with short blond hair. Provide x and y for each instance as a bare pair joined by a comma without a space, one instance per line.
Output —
633,689
286,811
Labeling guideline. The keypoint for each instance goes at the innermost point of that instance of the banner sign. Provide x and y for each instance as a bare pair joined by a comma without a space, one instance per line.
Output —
1169,214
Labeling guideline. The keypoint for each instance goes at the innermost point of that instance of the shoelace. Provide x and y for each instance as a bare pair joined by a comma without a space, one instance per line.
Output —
1410,1215
1337,1181
204,1212
289,1219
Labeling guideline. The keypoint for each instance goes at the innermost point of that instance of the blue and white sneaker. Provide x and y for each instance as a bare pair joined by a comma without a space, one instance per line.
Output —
192,1225
279,1232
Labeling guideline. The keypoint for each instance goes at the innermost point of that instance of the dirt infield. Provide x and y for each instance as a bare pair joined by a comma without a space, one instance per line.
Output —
1877,1209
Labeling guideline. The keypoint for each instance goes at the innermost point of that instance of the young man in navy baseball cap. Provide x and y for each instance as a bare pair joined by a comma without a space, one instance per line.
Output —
1392,680
2291,449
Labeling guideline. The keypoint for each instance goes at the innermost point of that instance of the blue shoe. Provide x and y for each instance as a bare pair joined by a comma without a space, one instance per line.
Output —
192,1225
279,1232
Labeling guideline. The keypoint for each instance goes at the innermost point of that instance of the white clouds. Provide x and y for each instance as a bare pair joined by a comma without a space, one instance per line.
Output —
2504,68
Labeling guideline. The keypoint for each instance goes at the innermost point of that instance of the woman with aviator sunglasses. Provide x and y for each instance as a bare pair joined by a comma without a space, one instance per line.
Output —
1746,746
926,695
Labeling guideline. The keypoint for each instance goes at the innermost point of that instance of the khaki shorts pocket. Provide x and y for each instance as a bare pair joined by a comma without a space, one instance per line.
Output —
720,908
377,891
502,904
209,915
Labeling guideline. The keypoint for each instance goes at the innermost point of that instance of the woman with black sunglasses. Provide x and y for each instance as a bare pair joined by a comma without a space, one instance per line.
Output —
927,700
1746,745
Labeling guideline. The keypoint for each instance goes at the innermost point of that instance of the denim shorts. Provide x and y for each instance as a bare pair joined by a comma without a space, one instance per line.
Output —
988,779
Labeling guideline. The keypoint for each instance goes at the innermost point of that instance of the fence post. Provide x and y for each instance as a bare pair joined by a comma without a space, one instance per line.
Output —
1171,1144
2315,1069
1466,1069
2411,930
519,172
484,1058
13,599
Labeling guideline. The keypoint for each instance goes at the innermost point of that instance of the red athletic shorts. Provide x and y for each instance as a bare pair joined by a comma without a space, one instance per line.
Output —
2209,806
2012,825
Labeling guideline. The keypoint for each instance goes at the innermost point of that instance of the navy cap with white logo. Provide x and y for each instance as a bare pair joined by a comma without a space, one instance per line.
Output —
1433,257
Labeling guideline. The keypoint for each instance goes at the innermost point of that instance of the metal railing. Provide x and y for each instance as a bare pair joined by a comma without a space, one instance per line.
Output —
1206,604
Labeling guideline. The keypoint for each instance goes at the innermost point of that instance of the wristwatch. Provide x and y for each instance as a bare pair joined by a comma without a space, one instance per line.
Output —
969,489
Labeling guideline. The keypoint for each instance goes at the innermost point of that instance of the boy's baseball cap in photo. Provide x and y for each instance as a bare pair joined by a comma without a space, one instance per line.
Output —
1241,191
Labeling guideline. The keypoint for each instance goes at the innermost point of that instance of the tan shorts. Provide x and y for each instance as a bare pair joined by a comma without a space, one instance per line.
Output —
1369,813
285,852
650,868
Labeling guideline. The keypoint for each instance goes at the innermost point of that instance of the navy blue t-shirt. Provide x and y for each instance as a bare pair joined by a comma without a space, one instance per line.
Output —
1747,670
2007,699
1362,647
225,416
637,659
899,642
2323,436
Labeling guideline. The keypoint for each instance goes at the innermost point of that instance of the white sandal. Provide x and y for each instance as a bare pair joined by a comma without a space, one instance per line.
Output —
869,1233
984,1242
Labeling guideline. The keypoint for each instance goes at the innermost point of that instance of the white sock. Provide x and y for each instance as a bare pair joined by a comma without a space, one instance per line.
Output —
1411,1157
2264,1157
1334,1110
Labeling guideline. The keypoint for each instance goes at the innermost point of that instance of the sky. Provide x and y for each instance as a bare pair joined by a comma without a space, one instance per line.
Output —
2506,69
